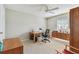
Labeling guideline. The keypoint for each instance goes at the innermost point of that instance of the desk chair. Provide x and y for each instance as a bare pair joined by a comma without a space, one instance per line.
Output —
46,36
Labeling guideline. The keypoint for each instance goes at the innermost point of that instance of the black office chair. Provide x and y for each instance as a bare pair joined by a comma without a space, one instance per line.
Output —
46,36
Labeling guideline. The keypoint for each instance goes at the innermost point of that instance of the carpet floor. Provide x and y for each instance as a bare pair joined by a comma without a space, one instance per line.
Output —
44,48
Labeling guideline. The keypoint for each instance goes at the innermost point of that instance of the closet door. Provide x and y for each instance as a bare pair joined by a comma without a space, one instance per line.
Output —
74,28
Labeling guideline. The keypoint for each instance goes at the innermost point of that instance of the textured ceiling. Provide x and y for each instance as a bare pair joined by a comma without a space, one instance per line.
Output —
39,9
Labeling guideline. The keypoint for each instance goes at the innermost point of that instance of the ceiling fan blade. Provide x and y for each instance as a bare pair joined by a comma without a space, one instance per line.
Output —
51,12
52,9
45,9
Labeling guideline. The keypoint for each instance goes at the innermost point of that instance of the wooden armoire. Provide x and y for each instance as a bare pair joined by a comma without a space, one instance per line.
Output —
74,29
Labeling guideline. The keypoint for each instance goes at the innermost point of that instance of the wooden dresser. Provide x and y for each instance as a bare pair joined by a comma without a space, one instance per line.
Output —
61,35
12,46
74,28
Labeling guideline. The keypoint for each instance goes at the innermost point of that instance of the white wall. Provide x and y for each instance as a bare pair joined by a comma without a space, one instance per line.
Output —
2,22
20,24
52,24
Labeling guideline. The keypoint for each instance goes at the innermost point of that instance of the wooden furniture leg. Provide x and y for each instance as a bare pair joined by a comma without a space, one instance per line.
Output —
34,38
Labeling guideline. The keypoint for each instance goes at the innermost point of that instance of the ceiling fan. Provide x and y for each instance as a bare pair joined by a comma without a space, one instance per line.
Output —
49,10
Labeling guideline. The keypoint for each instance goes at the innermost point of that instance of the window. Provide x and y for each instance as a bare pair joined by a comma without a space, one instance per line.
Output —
63,23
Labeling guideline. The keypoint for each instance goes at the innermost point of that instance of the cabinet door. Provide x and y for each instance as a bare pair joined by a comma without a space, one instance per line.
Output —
74,28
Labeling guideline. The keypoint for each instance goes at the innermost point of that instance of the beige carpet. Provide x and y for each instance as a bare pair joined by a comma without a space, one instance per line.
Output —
44,48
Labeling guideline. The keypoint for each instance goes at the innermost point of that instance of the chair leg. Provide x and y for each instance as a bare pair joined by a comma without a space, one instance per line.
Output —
47,40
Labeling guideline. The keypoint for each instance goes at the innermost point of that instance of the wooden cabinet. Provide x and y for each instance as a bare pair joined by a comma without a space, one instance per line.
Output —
12,46
17,50
61,35
74,28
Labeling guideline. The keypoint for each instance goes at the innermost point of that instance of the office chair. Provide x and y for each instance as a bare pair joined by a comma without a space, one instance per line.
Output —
46,36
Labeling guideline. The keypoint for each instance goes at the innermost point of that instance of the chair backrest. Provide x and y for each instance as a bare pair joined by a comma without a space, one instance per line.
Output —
46,33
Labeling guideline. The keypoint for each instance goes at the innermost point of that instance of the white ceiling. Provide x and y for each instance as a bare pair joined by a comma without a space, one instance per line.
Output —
38,9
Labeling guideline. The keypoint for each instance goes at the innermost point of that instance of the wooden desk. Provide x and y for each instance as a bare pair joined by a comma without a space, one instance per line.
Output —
34,35
12,46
